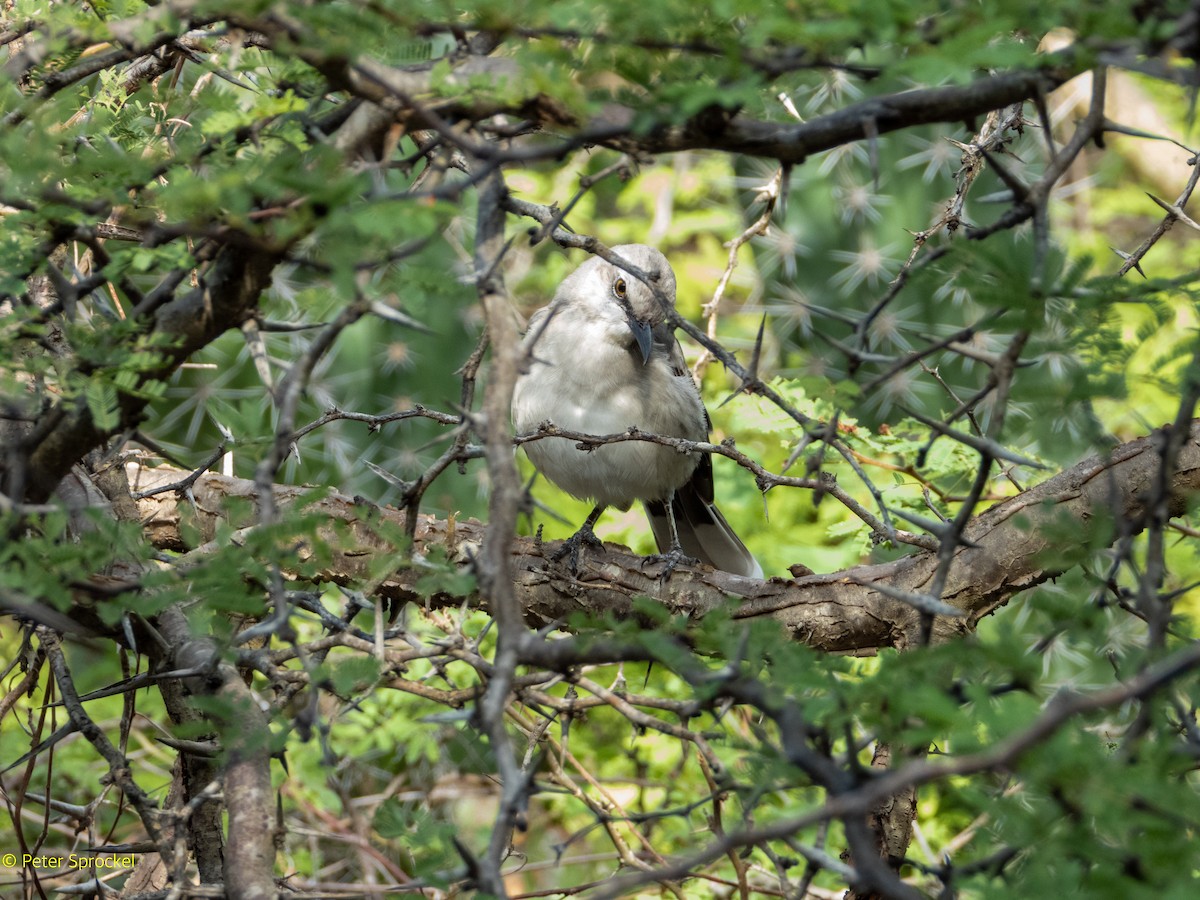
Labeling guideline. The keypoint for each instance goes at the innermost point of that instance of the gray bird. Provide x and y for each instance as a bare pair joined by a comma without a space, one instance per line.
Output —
602,359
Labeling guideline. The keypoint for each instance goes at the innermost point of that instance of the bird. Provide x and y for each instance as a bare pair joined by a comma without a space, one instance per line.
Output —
600,359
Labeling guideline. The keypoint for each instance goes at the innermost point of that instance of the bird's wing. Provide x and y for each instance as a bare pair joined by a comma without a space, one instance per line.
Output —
666,343
538,321
703,531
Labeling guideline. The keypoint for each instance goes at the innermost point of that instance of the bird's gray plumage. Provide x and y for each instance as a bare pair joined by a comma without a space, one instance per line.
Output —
601,358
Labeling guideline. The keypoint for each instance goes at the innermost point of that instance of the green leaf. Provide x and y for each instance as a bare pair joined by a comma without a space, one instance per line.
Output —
101,398
354,674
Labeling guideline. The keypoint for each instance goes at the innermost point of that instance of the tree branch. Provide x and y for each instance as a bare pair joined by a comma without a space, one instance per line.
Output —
226,295
1009,548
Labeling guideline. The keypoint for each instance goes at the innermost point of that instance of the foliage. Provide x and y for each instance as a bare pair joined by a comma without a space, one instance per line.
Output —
263,237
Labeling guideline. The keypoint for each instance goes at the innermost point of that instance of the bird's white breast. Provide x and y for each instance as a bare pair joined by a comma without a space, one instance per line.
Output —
610,393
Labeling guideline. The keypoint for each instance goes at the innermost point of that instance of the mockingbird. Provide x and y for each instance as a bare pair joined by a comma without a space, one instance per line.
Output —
601,359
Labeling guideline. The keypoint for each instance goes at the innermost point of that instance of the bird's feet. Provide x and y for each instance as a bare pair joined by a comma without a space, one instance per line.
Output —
672,558
570,547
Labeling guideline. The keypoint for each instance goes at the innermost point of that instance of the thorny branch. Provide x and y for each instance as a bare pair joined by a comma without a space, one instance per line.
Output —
493,565
968,565
1058,713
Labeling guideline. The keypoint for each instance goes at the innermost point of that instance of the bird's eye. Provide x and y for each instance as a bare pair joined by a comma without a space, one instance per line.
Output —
619,289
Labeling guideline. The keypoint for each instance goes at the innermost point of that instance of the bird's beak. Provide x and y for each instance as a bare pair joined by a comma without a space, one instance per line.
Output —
641,334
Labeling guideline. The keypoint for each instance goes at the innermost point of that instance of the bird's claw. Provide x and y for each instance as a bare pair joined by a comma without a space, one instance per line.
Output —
570,548
670,560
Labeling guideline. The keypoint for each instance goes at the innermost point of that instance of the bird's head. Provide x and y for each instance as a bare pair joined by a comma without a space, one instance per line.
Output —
615,296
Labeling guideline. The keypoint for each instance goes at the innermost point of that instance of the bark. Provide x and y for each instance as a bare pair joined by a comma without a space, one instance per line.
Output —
250,853
890,822
1015,545
794,142
171,645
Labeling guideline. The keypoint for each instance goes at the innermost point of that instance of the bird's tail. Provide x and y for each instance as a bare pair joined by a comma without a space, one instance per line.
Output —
703,532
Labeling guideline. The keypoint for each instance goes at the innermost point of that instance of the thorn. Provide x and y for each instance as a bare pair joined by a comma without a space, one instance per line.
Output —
750,379
1174,210
1127,257
925,603
855,356
258,353
469,860
1115,128
800,447
387,476
758,342
390,314
939,529
790,106
981,444
1043,112
1020,191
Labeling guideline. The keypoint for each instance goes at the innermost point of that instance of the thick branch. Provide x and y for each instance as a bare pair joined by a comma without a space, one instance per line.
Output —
250,854
1012,546
404,94
792,142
